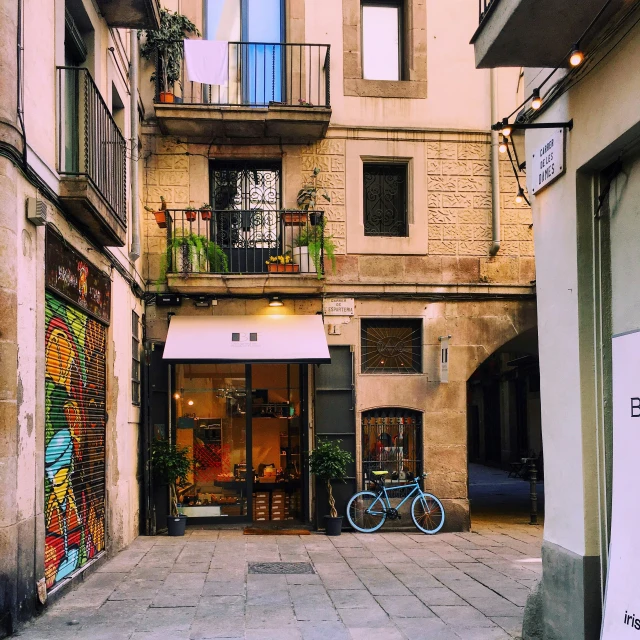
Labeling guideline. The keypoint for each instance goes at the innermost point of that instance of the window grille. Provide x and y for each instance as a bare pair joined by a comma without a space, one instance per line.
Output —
385,200
391,346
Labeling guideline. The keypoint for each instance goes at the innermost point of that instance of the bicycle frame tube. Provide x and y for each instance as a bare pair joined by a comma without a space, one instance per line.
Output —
386,492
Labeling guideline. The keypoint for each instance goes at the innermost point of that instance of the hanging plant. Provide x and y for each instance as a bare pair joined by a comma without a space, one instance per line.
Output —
167,43
192,251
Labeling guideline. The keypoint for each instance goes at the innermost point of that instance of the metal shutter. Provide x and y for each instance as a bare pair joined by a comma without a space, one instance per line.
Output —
75,375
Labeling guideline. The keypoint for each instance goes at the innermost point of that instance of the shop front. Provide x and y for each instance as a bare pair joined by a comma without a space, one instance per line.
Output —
238,401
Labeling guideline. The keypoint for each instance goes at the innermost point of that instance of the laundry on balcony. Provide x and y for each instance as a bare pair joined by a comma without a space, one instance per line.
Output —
207,61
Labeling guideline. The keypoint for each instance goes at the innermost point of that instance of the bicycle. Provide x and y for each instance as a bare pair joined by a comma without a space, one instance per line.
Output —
367,511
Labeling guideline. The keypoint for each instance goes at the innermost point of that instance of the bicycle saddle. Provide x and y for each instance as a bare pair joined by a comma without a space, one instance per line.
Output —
379,473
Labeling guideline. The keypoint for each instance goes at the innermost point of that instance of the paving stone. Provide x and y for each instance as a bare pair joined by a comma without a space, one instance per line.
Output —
481,633
465,616
513,626
261,617
167,620
425,629
324,631
404,607
367,633
494,605
441,595
351,599
372,617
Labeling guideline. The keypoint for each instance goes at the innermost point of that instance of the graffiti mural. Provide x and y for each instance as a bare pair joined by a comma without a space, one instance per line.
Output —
74,480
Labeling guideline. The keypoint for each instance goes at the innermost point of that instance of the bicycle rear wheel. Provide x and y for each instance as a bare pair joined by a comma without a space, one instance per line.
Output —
358,516
427,513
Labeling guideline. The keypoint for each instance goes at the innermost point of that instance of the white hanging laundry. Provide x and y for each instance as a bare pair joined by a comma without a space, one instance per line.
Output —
207,61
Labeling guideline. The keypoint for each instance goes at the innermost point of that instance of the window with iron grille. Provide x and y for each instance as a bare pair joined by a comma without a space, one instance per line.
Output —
135,358
391,346
385,199
392,441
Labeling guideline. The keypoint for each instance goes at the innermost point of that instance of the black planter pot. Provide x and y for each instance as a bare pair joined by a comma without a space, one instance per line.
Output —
176,525
333,526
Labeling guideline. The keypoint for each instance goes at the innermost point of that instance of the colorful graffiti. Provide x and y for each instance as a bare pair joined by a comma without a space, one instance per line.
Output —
74,439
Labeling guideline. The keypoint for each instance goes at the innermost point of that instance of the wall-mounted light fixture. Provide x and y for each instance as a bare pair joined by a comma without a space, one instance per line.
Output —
275,301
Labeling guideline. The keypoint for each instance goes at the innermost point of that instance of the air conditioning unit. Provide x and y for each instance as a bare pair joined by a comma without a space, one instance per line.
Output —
36,211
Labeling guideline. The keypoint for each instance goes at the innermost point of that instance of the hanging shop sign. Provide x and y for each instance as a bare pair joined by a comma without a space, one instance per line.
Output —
622,605
444,358
338,306
547,162
71,276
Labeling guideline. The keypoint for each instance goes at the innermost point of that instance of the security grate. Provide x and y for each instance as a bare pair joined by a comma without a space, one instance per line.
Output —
280,567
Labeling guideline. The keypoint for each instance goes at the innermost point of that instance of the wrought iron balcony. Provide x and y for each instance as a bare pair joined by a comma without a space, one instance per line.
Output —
247,242
484,7
91,158
275,90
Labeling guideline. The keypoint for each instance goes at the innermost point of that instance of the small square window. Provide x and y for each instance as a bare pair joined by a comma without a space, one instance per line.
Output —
385,199
235,337
253,337
391,346
381,40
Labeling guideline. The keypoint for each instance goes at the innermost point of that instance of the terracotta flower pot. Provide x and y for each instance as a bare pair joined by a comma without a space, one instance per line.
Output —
167,96
205,214
161,219
190,215
294,218
283,268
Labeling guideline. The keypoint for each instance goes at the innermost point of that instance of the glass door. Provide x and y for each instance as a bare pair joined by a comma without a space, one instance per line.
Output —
211,419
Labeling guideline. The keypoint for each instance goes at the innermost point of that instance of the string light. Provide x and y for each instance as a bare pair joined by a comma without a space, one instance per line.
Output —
576,58
503,145
190,403
536,100
506,128
520,196
176,396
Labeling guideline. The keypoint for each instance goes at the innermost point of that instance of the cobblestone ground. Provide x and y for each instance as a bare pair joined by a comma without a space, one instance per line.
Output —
387,586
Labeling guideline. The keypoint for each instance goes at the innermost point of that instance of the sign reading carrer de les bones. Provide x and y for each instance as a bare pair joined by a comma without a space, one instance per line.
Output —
547,163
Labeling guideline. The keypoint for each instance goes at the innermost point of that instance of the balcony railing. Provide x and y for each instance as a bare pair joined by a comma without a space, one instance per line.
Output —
484,8
259,74
244,242
89,141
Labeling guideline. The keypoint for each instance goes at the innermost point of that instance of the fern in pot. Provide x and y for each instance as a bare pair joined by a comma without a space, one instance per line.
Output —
309,246
193,253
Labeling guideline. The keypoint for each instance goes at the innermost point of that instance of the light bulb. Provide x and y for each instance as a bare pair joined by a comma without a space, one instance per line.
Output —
176,396
520,196
503,146
190,403
536,100
576,57
506,128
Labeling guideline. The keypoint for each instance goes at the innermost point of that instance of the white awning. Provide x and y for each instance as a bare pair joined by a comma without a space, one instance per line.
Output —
271,338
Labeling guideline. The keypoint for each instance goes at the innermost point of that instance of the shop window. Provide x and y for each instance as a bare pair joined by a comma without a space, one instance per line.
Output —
385,199
382,40
391,346
392,441
135,358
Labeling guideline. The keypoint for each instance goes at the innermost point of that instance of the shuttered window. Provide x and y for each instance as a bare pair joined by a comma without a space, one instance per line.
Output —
135,358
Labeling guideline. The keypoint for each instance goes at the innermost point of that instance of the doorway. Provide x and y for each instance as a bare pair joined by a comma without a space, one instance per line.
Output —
245,428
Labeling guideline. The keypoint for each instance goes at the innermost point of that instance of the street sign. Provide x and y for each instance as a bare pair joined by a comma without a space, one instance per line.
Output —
547,162
338,306
622,604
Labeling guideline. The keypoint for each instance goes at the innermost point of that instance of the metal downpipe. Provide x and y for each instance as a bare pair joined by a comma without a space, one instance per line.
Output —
134,252
495,167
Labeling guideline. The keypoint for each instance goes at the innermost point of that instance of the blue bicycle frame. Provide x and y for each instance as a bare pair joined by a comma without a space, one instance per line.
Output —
384,491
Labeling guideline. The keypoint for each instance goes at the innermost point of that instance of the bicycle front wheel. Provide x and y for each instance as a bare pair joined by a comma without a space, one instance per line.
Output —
365,512
427,513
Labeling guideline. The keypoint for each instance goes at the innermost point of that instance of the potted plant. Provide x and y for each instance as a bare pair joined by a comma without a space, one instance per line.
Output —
308,196
190,213
294,217
309,246
167,44
328,461
172,465
192,252
205,211
281,264
160,216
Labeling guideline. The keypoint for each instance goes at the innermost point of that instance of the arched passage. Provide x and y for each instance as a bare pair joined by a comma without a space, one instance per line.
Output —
504,431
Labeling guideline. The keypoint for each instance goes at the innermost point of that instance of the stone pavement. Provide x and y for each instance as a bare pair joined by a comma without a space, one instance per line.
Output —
387,586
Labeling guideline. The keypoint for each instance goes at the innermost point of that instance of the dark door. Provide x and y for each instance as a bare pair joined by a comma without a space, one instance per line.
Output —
155,502
335,420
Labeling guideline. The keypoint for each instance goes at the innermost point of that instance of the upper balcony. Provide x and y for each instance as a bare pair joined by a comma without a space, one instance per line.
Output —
131,14
236,251
91,159
277,92
534,33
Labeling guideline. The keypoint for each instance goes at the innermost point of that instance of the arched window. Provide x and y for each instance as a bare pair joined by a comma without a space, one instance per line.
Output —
392,441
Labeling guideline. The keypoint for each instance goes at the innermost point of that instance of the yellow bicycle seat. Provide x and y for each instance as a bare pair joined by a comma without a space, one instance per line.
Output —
379,473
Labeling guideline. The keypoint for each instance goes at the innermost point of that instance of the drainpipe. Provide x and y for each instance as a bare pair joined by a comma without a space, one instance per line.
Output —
134,252
495,167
